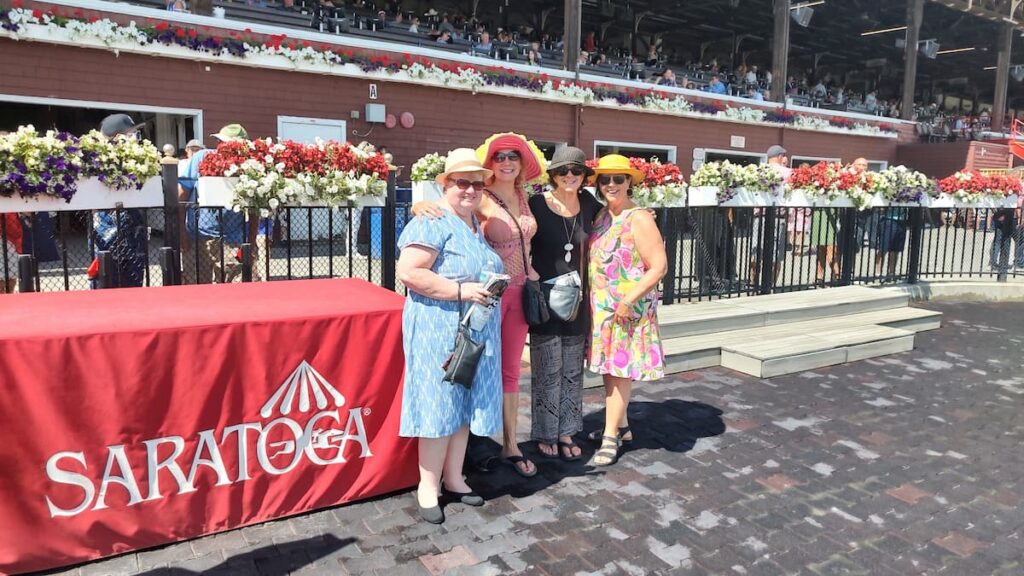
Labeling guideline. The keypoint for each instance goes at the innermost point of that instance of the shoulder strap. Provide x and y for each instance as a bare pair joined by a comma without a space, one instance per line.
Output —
522,242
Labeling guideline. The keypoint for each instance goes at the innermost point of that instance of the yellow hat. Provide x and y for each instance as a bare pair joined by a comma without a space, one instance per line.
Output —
617,164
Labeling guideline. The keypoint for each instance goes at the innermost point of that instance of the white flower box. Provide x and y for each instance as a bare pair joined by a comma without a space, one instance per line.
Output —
427,190
840,202
796,199
745,197
1006,202
702,196
943,201
216,192
92,195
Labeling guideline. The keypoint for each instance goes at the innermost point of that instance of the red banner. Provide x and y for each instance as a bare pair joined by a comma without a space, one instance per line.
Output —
136,417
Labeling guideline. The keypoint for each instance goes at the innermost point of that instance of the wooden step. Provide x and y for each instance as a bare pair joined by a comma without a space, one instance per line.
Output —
700,351
766,358
727,315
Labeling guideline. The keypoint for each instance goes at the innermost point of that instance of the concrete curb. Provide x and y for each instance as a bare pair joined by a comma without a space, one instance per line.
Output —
978,290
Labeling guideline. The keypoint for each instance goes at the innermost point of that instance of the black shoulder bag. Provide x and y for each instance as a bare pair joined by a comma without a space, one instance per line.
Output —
535,306
460,367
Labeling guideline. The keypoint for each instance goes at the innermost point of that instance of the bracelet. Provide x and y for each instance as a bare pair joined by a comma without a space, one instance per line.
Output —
459,289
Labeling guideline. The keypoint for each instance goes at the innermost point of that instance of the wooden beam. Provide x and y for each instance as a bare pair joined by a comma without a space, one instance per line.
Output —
571,36
780,50
1004,45
915,15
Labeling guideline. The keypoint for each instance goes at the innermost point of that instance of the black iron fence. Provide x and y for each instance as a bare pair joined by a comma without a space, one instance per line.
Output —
714,252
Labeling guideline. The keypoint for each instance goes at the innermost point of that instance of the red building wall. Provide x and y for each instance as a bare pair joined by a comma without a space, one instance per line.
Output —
445,118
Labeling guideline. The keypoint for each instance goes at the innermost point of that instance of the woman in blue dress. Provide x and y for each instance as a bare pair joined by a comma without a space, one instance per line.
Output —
440,264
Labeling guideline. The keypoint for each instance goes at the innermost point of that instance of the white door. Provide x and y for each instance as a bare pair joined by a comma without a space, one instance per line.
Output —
306,131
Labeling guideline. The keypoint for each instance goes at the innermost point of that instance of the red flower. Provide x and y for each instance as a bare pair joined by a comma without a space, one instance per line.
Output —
94,18
192,33
179,32
37,13
17,4
162,26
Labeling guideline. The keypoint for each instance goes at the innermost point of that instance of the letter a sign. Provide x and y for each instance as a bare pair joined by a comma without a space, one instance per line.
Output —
373,91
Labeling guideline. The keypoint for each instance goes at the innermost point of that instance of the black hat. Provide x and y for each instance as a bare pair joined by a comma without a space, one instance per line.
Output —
118,124
569,156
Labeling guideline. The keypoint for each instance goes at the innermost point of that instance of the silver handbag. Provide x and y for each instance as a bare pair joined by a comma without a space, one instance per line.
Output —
563,298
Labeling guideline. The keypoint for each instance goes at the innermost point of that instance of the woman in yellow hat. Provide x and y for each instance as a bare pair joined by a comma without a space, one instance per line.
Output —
627,261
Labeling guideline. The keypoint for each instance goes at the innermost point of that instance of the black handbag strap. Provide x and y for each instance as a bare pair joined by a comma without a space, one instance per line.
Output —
522,241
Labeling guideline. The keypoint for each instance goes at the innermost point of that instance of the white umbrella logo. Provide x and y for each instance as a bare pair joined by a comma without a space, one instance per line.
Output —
303,382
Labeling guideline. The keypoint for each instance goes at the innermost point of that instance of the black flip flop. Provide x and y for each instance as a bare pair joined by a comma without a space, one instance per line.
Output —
563,446
513,461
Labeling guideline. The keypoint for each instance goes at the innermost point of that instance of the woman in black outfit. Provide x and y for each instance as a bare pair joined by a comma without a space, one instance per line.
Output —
565,216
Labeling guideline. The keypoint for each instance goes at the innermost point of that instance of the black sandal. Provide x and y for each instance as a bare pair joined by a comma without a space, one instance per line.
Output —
609,451
554,456
514,461
568,446
596,435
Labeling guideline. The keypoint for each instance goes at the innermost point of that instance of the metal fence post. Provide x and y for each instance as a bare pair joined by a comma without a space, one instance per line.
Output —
247,261
768,250
849,244
916,240
27,273
105,278
388,242
170,267
670,234
171,255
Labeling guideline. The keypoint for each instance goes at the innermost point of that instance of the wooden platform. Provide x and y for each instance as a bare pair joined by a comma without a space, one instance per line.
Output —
780,334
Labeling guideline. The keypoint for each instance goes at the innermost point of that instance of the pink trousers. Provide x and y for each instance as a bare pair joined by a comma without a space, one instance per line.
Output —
513,338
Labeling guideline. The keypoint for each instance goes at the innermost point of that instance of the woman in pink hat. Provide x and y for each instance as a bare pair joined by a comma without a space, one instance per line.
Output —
509,227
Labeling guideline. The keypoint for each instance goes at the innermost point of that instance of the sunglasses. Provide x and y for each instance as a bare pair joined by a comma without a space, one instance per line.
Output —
617,178
566,170
463,184
507,156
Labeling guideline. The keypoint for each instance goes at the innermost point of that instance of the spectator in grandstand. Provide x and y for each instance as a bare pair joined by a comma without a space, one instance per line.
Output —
414,27
484,46
626,262
871,101
668,78
534,58
440,263
565,216
169,151
602,60
778,159
123,232
754,94
176,6
751,76
715,86
583,59
446,25
12,238
445,37
590,42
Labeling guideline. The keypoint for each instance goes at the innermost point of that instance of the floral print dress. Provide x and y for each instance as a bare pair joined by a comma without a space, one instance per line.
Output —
615,267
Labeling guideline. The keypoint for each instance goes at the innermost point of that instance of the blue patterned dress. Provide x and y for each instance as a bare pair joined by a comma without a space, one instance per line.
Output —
432,408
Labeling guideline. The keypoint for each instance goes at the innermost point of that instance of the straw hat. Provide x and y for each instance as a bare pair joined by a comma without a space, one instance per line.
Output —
618,164
532,158
569,156
461,160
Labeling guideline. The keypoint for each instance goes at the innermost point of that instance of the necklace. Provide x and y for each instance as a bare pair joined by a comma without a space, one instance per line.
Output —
568,238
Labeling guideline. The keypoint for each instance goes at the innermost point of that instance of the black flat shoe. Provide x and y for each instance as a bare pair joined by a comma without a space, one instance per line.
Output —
467,498
434,514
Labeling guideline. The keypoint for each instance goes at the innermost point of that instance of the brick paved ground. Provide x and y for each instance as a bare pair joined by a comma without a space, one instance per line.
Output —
908,464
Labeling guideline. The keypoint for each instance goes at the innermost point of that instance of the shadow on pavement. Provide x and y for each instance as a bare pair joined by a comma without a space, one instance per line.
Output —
271,560
672,425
